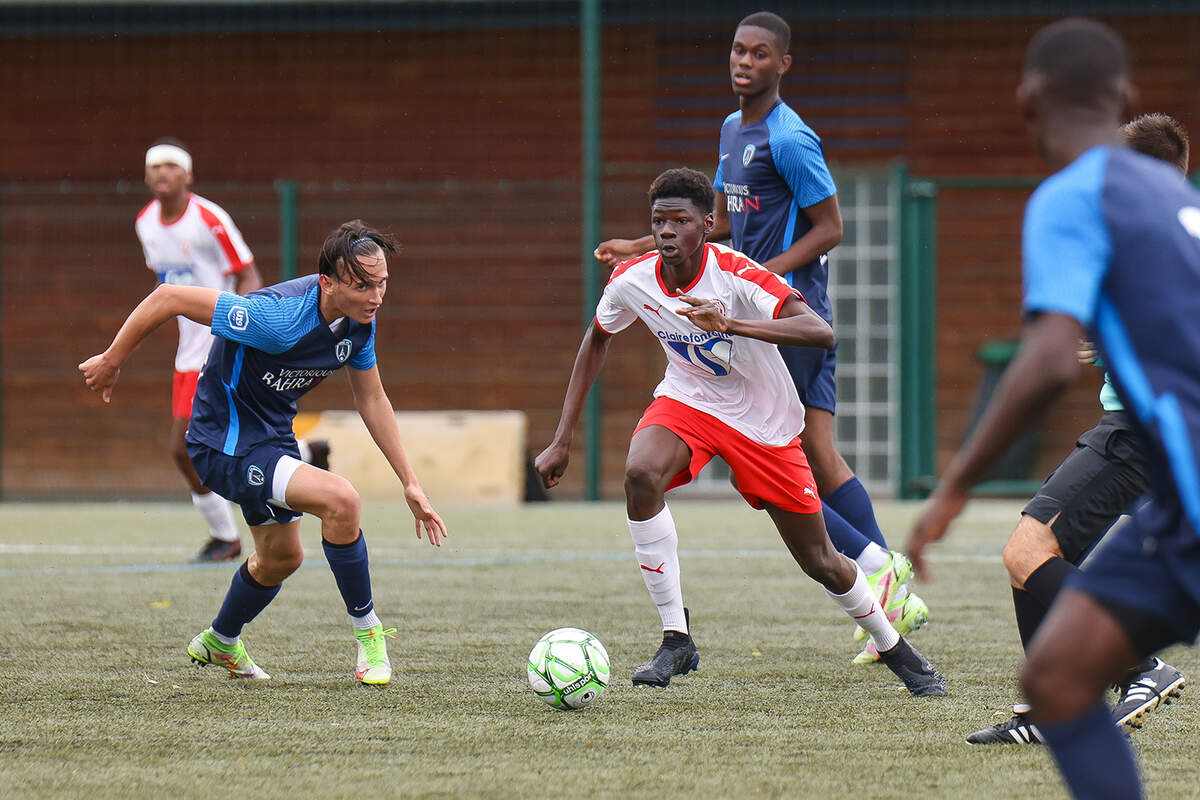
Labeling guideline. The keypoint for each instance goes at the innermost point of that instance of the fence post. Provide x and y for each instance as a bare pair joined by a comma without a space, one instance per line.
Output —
589,68
918,319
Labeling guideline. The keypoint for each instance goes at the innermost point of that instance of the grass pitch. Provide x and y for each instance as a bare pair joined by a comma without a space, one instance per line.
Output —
99,699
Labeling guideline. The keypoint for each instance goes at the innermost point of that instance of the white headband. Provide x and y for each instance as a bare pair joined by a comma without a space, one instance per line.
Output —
168,154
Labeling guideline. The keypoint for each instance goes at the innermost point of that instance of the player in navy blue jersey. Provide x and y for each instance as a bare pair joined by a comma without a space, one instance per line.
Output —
272,347
1111,248
1098,482
778,204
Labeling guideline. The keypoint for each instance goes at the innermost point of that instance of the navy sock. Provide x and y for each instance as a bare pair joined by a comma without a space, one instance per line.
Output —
243,602
1094,756
351,571
846,539
1045,582
854,504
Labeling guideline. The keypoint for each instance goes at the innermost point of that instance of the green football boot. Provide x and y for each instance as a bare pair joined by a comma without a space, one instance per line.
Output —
207,649
373,666
885,583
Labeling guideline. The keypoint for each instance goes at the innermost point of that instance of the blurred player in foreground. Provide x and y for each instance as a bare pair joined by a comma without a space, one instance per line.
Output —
719,318
778,204
273,347
1080,501
1111,249
190,241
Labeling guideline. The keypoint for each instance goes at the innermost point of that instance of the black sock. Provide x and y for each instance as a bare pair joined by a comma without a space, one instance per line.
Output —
1046,580
1030,614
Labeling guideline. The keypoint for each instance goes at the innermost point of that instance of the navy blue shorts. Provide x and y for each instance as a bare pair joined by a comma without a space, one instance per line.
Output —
812,370
1147,575
249,480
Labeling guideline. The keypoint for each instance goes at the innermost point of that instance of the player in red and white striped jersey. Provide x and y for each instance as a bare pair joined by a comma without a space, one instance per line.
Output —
719,317
190,241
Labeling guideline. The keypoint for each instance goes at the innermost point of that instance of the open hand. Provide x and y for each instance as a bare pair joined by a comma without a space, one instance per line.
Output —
426,517
707,315
931,525
614,251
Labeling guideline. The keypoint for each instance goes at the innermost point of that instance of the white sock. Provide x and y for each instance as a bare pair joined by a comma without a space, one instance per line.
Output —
862,606
216,512
223,639
655,543
873,558
366,622
305,451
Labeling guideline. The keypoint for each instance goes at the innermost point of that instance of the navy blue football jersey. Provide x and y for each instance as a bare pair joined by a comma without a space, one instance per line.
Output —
769,172
272,347
1113,240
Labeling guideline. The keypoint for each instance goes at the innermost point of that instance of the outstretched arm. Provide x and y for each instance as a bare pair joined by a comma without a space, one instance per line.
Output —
377,413
797,324
614,251
1044,367
551,463
100,372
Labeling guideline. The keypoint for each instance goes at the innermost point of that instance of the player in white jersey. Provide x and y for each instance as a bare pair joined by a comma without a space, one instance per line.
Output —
190,241
726,391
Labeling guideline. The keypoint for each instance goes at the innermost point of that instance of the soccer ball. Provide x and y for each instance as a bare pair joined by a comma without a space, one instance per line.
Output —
568,668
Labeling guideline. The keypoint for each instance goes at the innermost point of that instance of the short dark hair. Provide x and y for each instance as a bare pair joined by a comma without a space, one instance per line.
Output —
773,23
691,184
1160,136
1082,60
171,140
343,247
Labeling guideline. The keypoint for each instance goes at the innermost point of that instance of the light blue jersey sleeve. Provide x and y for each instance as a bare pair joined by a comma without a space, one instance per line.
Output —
1065,243
365,357
800,161
266,322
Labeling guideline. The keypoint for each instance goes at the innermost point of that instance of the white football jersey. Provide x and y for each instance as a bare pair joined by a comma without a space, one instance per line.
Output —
201,248
739,380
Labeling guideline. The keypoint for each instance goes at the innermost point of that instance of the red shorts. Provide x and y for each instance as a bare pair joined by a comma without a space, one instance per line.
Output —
183,389
778,476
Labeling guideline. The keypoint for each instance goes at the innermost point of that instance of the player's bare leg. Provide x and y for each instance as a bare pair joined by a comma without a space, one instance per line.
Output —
224,544
1031,545
846,584
330,497
656,456
1079,651
336,502
807,541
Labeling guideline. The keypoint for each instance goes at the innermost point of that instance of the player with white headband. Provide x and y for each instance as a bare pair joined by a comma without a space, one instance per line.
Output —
191,241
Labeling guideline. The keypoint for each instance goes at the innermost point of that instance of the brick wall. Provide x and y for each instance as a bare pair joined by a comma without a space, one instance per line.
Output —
466,144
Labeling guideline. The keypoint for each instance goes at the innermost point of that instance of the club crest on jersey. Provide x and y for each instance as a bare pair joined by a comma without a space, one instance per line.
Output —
255,476
239,318
342,351
747,155
712,356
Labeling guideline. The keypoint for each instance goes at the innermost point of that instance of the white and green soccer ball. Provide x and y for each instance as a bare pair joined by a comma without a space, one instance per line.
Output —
568,668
